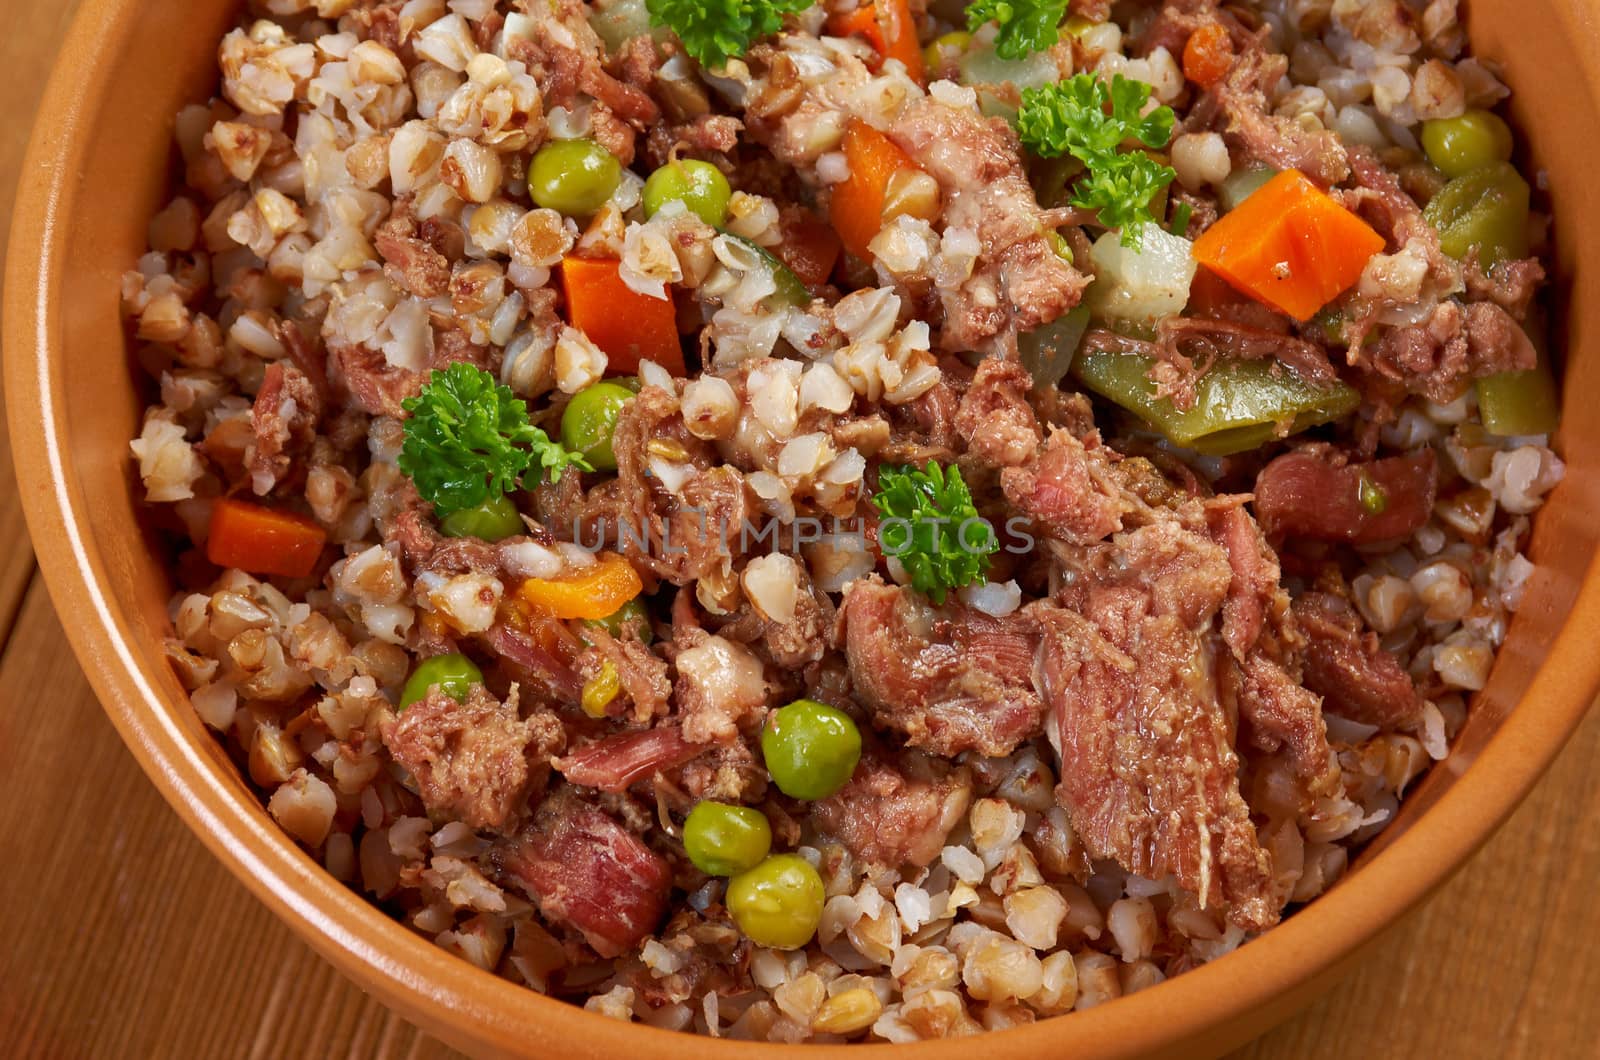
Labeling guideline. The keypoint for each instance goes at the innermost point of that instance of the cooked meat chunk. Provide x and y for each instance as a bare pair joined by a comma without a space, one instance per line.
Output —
1276,712
1439,357
1149,775
284,421
529,659
1317,492
1280,715
950,679
642,674
1349,669
471,760
977,163
1511,285
896,816
1237,107
1253,588
995,418
588,872
1068,491
618,762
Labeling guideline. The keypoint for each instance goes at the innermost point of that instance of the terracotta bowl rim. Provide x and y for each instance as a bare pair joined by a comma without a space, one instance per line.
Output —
447,995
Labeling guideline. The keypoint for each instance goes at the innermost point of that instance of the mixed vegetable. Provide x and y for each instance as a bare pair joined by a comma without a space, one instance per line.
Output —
468,441
1091,120
810,748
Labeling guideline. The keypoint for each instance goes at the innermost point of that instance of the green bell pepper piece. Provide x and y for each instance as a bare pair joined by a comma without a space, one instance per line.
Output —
1239,404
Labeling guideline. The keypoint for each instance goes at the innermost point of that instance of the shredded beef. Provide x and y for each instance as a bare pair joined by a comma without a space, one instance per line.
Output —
802,640
893,816
1347,666
1149,775
642,674
1510,285
1276,712
1068,491
720,687
704,135
1237,106
950,679
284,422
995,417
977,163
534,663
1198,337
1253,586
471,759
1454,346
618,762
680,539
588,872
378,387
411,263
1317,492
1279,714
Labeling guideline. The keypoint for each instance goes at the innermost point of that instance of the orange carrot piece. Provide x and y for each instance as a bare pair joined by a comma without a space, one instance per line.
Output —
630,327
889,28
857,207
595,591
1289,245
1207,55
263,540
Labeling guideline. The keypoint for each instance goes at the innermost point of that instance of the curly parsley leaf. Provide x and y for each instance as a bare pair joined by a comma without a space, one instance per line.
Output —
1090,120
932,527
714,31
468,439
1026,26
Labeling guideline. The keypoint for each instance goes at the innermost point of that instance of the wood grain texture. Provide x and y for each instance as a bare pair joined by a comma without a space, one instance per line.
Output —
125,938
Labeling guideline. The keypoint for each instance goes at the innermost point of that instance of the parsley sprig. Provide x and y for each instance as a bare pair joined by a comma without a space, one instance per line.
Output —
468,439
931,525
714,31
1091,120
1025,26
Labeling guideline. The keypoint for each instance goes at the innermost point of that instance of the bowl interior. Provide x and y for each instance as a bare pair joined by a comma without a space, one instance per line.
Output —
99,167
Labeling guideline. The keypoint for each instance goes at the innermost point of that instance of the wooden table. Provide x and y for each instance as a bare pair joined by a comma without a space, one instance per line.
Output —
124,938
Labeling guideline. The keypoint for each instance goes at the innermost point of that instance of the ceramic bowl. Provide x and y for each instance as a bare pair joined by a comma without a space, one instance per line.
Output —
98,167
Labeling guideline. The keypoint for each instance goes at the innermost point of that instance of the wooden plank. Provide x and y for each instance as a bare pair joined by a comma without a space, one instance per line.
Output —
136,942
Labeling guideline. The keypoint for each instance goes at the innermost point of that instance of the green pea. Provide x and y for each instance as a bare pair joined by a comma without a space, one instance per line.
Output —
575,177
589,421
1487,209
810,748
724,840
1457,146
631,613
778,903
492,520
698,185
454,674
